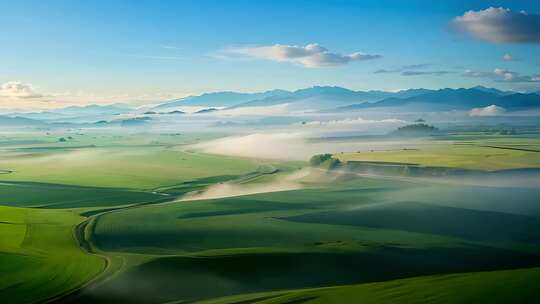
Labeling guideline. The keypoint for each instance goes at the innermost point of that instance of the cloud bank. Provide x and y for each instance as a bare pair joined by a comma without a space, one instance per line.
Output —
412,70
508,57
502,75
312,55
491,110
500,25
421,73
17,89
353,121
403,68
293,145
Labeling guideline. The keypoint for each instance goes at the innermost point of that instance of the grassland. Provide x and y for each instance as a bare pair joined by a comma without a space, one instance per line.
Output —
511,286
115,162
123,167
350,231
39,255
46,195
475,152
40,258
108,216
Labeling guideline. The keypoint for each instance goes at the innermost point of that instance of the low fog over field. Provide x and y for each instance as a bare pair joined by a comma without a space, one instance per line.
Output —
295,146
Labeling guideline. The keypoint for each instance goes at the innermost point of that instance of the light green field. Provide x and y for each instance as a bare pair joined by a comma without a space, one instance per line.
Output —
39,255
143,168
124,162
477,154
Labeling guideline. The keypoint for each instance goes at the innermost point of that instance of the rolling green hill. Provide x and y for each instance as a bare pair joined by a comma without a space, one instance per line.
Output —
40,257
351,231
511,286
143,220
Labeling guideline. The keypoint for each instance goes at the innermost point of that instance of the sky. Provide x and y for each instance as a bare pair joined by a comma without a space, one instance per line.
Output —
56,53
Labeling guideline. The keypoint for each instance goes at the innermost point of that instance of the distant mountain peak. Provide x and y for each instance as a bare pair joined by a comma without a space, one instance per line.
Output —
324,89
220,99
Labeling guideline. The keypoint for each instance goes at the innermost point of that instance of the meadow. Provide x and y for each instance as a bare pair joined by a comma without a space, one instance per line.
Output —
354,230
487,152
141,162
135,218
40,257
480,287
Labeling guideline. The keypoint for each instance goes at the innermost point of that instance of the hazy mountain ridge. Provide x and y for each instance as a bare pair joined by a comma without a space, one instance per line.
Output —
328,98
457,99
314,99
73,112
317,98
116,108
19,121
220,99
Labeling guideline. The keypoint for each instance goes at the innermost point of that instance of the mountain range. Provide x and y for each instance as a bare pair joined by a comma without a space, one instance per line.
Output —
331,98
314,98
327,99
456,99
88,113
220,99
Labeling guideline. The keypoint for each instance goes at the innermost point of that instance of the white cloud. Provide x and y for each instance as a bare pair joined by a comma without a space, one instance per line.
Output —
403,68
500,25
423,73
312,55
491,110
473,73
502,75
352,121
355,124
508,57
413,70
17,89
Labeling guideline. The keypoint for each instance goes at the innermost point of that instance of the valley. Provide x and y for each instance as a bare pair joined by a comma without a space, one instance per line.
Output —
260,230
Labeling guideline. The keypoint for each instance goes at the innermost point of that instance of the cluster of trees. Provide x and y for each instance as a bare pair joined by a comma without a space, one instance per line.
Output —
416,129
324,161
63,139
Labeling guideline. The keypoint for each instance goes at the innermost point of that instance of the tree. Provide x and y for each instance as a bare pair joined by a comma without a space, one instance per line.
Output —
324,161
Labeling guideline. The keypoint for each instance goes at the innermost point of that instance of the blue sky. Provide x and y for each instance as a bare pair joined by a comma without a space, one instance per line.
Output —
102,50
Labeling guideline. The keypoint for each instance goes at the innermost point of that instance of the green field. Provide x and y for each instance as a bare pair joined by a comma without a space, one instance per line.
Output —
482,287
46,195
355,230
40,257
115,162
466,152
122,167
136,219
